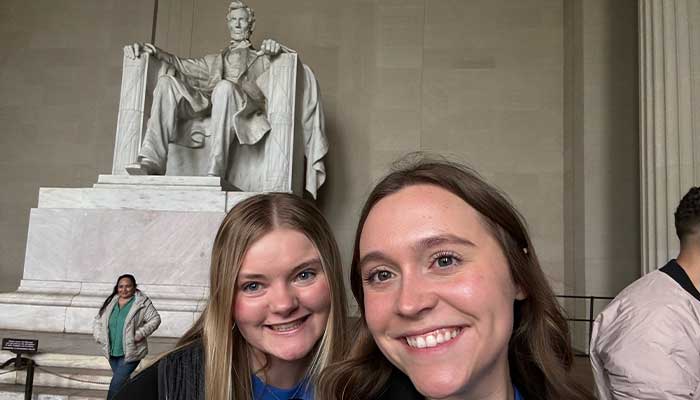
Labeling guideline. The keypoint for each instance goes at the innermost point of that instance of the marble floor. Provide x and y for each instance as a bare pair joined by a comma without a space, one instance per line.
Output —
76,343
16,392
69,366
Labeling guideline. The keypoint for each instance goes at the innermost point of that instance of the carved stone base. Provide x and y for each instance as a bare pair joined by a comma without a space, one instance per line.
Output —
158,228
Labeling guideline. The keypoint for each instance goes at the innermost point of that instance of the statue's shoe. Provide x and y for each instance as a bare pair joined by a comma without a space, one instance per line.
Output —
143,167
135,169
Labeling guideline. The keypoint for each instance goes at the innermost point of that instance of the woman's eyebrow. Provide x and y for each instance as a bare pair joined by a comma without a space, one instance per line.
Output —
375,256
313,262
437,240
253,277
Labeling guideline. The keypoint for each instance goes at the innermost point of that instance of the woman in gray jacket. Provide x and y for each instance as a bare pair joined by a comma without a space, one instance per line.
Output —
125,320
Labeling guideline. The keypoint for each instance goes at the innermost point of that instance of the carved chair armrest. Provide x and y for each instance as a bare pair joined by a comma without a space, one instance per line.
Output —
139,78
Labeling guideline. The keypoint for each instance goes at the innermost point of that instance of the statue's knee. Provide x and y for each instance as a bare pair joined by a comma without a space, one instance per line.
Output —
165,83
223,87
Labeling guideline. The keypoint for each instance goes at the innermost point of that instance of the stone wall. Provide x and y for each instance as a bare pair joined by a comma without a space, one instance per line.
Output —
60,74
483,81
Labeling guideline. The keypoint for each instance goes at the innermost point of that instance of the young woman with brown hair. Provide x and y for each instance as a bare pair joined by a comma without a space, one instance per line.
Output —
276,315
454,304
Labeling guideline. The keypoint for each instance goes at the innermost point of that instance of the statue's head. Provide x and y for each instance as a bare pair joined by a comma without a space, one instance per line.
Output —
240,20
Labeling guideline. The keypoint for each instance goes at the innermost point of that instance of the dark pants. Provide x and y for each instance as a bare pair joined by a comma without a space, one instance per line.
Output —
121,371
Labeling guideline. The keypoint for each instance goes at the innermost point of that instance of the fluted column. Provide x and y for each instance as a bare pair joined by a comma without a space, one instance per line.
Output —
666,131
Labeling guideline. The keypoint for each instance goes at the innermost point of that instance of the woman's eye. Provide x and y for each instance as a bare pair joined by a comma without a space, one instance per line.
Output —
380,276
252,287
445,260
306,275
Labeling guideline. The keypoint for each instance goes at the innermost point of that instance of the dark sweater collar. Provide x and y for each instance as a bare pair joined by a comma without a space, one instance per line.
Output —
400,387
678,274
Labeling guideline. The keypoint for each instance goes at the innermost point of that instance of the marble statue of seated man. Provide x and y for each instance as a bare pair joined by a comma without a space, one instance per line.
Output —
219,85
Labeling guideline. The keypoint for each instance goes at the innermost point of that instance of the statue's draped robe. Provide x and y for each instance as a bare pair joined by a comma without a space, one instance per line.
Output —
195,79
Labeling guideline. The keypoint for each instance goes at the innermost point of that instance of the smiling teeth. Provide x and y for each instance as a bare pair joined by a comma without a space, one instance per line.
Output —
286,327
433,338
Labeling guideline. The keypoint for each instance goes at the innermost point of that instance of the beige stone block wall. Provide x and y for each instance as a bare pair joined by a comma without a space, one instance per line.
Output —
484,81
694,26
492,85
601,147
59,80
610,146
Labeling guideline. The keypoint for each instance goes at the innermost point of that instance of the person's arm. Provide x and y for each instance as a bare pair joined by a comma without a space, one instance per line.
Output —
143,386
601,382
187,67
646,356
151,322
97,328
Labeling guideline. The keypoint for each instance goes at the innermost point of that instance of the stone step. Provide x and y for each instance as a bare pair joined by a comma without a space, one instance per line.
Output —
63,360
75,344
57,360
57,377
69,361
16,392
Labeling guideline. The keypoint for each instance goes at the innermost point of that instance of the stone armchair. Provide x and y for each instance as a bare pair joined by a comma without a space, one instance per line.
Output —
289,159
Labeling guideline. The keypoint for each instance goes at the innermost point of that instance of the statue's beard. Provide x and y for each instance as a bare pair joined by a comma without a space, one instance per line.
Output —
240,36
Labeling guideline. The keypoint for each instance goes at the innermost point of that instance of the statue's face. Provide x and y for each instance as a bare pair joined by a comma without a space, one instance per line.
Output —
239,24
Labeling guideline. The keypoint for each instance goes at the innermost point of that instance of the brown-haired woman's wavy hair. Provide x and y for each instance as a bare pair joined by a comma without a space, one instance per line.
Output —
226,353
539,354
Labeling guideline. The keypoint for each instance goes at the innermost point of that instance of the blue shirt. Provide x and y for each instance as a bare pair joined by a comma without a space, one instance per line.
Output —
262,391
517,393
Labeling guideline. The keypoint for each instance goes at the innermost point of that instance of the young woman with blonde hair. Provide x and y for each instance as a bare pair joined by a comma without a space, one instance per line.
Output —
276,314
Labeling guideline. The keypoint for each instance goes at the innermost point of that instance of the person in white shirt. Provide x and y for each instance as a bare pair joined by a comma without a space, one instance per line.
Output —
646,343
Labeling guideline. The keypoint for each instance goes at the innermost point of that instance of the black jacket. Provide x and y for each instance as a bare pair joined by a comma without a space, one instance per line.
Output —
142,386
399,387
181,373
177,376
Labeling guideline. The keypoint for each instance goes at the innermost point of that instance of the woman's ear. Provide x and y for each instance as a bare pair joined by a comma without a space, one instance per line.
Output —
520,294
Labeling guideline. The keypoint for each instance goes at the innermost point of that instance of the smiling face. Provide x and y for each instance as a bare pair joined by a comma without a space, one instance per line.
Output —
282,299
238,22
438,294
125,288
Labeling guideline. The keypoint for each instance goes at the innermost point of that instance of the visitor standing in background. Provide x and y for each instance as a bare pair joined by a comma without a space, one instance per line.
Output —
646,343
127,317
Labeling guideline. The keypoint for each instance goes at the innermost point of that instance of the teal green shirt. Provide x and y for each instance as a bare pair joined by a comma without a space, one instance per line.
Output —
116,328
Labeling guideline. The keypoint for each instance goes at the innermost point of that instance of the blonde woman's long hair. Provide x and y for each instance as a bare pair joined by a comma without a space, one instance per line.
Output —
228,369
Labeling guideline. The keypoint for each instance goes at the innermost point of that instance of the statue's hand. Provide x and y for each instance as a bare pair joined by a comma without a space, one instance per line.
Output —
270,47
140,48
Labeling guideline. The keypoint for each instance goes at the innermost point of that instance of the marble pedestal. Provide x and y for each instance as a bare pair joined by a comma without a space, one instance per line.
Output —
158,228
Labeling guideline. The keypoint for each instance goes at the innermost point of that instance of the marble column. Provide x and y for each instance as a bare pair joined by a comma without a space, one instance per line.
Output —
666,129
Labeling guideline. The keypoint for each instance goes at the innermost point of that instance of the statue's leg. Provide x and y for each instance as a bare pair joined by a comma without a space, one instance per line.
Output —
160,130
226,100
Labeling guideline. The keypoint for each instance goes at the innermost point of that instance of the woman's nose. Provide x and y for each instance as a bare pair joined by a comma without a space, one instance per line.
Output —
283,301
414,297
